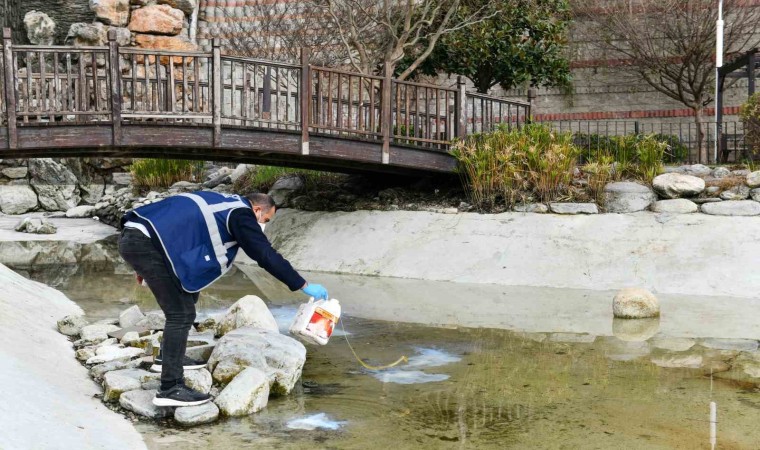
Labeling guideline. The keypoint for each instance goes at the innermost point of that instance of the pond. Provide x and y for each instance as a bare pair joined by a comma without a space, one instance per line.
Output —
514,373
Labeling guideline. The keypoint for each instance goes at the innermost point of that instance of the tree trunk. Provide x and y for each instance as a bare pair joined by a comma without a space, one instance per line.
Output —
701,145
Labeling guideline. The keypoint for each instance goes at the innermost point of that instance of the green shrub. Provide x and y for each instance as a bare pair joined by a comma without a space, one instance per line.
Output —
153,173
623,148
750,116
499,167
262,178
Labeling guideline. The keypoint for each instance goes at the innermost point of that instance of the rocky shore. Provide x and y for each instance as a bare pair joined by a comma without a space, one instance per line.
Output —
247,361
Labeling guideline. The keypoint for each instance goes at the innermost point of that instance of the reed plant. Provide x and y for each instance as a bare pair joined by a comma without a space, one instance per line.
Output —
162,173
509,164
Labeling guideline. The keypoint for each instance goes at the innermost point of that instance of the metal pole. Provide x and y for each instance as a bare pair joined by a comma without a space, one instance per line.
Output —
718,65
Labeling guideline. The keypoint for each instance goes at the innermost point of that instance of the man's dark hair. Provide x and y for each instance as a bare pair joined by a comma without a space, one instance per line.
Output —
263,200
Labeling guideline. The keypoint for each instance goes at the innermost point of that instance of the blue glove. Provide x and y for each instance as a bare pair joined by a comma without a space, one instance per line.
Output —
315,290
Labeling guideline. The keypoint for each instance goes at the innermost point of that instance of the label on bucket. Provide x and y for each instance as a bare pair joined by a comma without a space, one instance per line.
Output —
322,323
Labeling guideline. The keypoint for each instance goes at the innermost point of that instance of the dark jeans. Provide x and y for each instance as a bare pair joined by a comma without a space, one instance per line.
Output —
178,305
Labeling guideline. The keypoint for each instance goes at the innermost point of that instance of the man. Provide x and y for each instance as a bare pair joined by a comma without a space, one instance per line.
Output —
181,245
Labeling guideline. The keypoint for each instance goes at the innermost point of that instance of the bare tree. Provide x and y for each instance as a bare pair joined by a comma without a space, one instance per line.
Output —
670,44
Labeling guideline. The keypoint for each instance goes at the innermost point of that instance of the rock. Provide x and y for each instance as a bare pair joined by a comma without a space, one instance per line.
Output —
130,317
141,402
196,415
735,208
246,394
117,382
284,188
17,199
83,354
736,193
740,172
123,38
91,193
538,208
115,354
96,332
686,361
55,184
280,357
172,43
153,320
627,197
185,186
100,370
217,181
157,19
721,172
673,344
753,179
675,206
249,310
702,201
209,323
186,6
130,338
200,380
15,172
712,190
217,173
755,194
699,170
35,225
676,185
107,342
87,34
80,212
574,208
121,178
120,333
72,325
635,303
639,330
742,345
239,171
40,28
111,12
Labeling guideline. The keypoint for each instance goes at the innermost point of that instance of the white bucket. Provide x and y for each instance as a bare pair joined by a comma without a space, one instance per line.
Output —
316,320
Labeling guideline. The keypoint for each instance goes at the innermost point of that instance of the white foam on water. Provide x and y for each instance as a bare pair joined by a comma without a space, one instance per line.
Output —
400,376
430,357
313,422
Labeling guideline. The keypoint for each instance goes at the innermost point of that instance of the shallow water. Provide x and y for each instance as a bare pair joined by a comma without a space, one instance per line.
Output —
475,387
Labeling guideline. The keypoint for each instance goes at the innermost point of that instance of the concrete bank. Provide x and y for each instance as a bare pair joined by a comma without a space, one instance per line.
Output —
679,254
47,396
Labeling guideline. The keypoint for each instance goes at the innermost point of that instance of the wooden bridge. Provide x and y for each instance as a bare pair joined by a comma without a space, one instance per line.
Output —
131,102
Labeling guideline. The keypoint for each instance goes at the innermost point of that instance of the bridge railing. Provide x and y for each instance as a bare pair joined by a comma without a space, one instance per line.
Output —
125,85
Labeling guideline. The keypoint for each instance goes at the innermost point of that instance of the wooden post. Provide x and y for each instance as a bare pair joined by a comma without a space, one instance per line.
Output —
10,88
387,114
461,108
115,74
216,95
266,99
305,100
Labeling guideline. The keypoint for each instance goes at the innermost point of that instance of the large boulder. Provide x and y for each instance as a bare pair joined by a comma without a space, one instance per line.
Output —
111,12
740,192
157,19
196,415
72,325
675,206
627,197
721,172
186,6
246,394
280,357
172,43
736,208
141,402
40,28
676,185
284,188
15,199
55,184
35,225
249,310
635,303
87,34
753,179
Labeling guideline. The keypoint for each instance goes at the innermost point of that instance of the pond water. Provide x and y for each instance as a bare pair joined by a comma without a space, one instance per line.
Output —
478,387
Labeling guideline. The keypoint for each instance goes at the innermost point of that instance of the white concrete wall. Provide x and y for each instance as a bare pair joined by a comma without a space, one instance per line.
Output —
687,254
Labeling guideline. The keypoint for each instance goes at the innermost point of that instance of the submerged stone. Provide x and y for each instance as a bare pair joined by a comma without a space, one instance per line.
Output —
313,422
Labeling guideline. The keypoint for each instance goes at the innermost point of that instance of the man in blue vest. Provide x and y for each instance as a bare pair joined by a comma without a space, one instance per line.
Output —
181,245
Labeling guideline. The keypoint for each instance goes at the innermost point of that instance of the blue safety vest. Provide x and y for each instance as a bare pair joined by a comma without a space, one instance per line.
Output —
193,230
